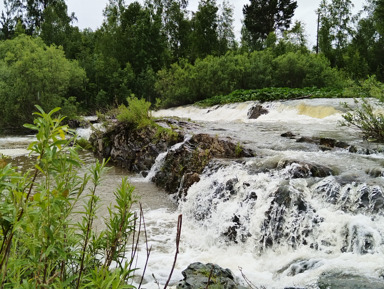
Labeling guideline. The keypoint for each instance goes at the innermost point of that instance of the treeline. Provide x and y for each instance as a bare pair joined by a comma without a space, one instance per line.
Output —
159,49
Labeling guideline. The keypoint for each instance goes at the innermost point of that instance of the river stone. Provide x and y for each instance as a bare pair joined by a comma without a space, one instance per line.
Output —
305,169
199,275
348,281
256,111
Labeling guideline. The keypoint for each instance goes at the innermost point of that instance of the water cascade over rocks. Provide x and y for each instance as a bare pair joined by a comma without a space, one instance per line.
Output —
308,206
285,199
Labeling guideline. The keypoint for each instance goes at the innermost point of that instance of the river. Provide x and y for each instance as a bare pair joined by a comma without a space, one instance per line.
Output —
317,226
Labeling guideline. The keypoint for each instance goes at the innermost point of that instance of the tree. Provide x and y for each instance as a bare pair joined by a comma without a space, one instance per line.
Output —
379,15
177,27
225,28
33,73
335,29
261,17
204,37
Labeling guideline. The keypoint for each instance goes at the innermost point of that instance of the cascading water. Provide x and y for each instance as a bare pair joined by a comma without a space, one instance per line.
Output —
160,158
295,215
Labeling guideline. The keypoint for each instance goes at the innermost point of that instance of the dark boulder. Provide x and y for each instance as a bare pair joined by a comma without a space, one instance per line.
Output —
133,149
256,111
288,134
183,165
199,275
299,169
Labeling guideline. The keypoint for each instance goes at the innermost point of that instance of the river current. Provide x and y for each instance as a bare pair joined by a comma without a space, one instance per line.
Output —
258,216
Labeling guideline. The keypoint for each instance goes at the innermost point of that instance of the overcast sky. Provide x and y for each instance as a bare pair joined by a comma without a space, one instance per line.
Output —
90,13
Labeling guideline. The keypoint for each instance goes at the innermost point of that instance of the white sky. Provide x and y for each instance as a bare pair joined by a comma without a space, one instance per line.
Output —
90,13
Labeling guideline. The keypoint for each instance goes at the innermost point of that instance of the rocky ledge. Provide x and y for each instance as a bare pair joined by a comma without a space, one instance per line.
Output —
133,149
137,150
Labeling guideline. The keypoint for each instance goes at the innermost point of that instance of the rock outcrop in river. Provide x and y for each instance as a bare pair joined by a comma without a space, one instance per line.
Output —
138,149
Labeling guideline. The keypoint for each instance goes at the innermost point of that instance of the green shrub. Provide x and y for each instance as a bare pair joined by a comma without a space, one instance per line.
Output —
369,87
47,238
184,83
137,113
34,73
364,118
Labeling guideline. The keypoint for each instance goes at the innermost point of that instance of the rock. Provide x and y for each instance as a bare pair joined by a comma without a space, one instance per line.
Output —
300,266
183,165
308,139
298,169
256,111
133,149
199,275
327,142
288,212
348,281
288,134
74,123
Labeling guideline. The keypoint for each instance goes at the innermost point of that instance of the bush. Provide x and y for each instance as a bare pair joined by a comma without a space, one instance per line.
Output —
47,240
298,70
364,118
185,83
137,113
369,87
33,73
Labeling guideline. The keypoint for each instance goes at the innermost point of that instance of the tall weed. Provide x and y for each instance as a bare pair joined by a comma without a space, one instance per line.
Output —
46,241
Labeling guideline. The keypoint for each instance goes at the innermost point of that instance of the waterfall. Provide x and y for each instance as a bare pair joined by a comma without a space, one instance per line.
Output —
161,157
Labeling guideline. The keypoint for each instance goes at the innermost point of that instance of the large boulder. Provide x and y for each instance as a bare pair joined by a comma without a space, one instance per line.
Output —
182,166
131,148
199,275
256,111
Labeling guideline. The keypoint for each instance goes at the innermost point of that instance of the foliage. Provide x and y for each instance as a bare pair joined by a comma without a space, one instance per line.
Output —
204,35
364,117
367,88
157,48
263,17
137,113
271,94
335,29
33,73
46,239
185,83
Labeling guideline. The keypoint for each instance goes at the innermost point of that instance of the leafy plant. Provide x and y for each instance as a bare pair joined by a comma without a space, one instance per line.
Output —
45,240
137,112
369,87
364,118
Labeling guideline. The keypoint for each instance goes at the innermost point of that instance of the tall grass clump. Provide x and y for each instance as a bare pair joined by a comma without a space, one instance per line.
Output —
47,216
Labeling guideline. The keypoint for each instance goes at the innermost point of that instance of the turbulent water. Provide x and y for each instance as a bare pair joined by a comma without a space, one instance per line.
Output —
268,216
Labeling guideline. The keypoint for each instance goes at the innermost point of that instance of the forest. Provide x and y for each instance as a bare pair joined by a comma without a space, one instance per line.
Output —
164,53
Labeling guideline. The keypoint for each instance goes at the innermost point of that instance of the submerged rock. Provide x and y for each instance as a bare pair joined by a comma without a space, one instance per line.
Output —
348,281
290,219
299,169
199,275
